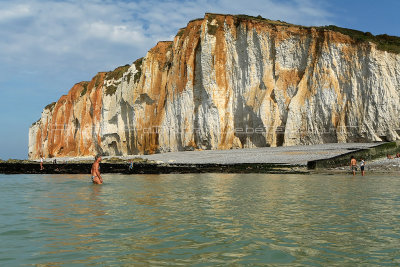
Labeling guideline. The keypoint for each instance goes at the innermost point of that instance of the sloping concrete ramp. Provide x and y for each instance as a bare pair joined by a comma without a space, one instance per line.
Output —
292,155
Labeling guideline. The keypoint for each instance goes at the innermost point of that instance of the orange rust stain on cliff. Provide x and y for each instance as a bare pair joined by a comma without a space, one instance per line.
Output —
348,53
279,33
71,121
176,66
152,99
186,55
38,144
338,38
96,96
232,23
286,79
335,118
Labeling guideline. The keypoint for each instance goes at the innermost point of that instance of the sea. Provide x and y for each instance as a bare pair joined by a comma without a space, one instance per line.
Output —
200,220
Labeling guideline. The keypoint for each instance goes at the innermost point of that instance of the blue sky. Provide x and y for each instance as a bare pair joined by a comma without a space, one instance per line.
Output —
48,46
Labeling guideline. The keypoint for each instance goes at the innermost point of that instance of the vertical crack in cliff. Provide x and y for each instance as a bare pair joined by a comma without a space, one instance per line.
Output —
126,111
272,52
200,99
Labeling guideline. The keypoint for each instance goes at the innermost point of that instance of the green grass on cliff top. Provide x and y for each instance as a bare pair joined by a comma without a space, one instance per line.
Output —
117,73
384,42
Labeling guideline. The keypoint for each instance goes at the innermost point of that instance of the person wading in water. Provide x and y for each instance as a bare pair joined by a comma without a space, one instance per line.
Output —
353,165
362,166
96,176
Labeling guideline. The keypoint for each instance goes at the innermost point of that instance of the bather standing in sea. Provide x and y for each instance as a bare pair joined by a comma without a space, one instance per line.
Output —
353,165
96,176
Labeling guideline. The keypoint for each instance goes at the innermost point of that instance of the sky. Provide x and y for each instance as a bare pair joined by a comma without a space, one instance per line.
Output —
48,46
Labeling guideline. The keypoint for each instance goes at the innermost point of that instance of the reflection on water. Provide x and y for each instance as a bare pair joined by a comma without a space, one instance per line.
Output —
200,219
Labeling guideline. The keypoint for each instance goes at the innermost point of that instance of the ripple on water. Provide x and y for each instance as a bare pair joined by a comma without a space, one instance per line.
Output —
200,219
15,232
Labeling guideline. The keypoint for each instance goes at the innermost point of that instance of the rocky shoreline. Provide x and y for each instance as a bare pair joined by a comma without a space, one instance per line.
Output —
381,165
150,168
331,158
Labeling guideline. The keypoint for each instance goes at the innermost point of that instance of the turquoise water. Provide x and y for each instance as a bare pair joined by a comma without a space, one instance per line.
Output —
200,220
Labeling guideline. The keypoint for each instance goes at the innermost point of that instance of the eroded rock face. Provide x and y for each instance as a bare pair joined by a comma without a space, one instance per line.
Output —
227,82
71,126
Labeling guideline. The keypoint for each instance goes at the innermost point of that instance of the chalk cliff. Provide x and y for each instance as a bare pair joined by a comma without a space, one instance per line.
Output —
232,82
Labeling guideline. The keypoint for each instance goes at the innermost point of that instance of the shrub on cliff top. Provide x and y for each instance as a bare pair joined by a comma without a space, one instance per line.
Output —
384,42
85,87
212,29
388,43
180,32
117,73
98,80
83,92
261,19
35,122
50,106
138,65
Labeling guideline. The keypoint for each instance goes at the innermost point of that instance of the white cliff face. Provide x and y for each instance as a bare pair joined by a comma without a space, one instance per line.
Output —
35,133
229,83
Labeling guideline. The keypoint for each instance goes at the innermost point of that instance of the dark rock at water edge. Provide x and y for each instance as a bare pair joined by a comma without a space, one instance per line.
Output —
84,168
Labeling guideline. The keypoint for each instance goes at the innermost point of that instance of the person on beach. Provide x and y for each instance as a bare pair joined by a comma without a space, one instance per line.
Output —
41,163
130,165
397,155
353,165
389,156
362,167
96,176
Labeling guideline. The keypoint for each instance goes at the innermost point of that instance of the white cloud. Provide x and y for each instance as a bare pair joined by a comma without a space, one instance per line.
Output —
14,12
70,34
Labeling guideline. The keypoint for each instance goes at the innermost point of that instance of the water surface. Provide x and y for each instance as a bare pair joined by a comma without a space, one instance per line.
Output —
200,220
